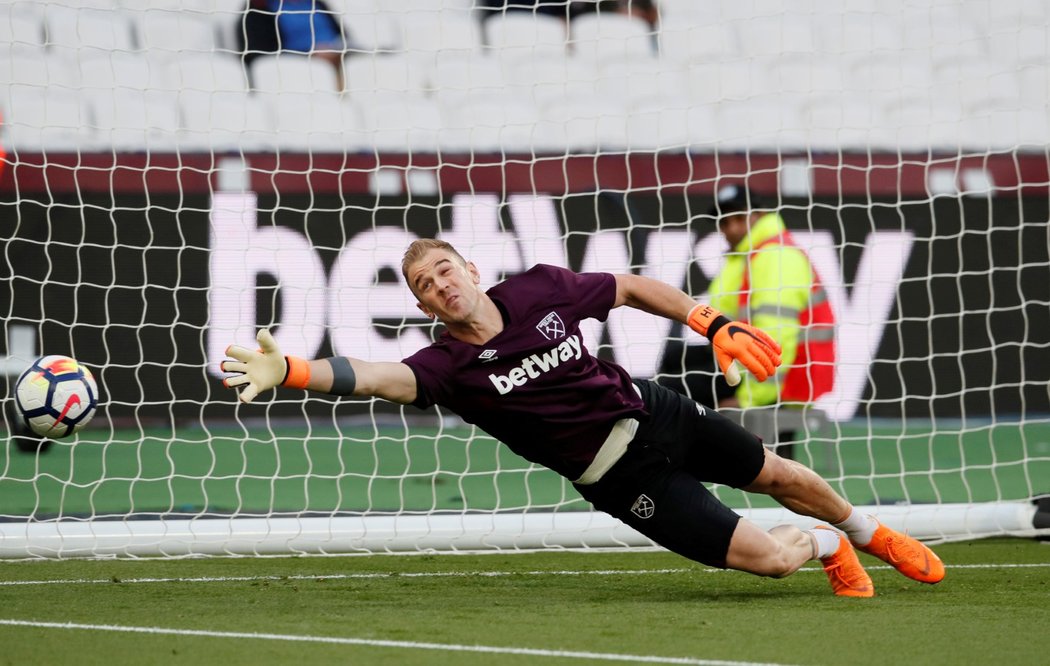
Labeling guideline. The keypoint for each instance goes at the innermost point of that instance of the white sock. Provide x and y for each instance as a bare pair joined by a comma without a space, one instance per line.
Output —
859,527
827,542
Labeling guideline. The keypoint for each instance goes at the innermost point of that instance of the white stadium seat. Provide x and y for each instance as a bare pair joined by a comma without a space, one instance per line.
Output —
854,33
22,23
525,35
293,72
83,29
52,118
700,43
122,69
208,72
464,76
638,83
175,32
601,36
375,76
314,123
489,125
401,128
220,121
425,33
34,66
776,35
134,120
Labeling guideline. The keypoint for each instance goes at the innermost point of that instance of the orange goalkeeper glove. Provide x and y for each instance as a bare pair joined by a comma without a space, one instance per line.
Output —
736,341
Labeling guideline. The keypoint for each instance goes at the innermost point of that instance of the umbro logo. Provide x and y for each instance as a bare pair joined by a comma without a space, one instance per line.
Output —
488,355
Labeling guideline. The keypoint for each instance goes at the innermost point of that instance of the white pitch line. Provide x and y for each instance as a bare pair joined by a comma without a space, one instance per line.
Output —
450,574
368,642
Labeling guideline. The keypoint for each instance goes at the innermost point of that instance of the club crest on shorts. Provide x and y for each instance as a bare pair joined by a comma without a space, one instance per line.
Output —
551,326
643,507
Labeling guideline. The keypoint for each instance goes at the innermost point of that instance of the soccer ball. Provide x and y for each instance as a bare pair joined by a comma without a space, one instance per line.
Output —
56,396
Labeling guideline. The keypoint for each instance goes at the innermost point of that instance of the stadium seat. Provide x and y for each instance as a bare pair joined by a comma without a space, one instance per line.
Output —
135,120
36,66
524,35
83,29
314,123
400,128
581,124
760,123
376,76
851,33
292,72
424,34
487,125
22,24
552,79
175,32
775,35
891,72
371,25
46,118
193,71
122,69
667,126
699,43
803,73
841,122
976,84
638,83
221,121
601,36
1019,45
732,80
463,76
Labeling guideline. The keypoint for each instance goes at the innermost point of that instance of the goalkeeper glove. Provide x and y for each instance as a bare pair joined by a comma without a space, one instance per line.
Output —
263,369
736,341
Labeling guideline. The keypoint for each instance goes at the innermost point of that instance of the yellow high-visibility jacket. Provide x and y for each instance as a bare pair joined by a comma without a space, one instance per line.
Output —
780,279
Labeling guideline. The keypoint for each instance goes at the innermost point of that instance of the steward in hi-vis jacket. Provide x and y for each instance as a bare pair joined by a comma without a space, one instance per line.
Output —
769,282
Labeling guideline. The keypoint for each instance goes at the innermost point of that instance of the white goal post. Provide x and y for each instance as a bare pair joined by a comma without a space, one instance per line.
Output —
164,196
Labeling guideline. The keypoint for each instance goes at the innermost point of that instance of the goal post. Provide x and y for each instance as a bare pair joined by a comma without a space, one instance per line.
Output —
143,233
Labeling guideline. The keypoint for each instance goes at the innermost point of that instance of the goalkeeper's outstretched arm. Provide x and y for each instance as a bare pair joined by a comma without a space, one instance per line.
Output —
731,340
256,371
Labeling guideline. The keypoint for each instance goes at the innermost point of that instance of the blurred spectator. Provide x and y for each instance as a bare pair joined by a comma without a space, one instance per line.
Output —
568,9
294,26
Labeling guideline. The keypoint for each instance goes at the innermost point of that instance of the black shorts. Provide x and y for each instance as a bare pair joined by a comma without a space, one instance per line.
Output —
656,486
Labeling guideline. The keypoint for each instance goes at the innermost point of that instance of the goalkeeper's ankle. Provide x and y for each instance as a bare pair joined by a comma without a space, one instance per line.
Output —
859,527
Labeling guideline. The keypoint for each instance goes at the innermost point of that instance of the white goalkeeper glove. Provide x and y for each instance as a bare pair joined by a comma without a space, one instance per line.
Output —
263,369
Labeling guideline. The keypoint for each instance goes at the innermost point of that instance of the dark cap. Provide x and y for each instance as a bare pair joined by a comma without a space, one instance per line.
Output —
735,198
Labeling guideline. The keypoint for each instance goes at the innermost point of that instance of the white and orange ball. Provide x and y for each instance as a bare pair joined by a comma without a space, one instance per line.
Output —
56,396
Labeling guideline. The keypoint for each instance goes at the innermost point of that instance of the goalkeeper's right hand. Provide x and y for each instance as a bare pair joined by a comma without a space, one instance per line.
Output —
734,341
263,369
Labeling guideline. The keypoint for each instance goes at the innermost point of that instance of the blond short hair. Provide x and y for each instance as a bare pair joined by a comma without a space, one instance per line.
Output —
420,247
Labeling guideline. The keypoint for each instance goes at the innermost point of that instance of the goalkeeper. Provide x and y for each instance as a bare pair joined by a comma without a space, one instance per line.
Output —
512,361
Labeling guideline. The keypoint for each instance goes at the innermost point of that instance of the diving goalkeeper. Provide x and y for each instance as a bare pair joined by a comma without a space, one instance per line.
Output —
512,361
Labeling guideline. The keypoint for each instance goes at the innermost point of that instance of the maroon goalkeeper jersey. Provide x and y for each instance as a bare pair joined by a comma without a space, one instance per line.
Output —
534,386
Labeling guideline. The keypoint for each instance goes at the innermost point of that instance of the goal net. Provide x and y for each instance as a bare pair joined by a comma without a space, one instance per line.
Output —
171,185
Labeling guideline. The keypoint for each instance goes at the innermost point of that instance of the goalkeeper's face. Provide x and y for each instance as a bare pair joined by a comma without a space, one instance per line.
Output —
446,286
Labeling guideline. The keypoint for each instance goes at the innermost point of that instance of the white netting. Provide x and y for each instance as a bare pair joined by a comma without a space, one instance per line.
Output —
165,193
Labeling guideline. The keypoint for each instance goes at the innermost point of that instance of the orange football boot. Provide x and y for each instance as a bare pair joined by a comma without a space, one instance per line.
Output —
905,554
845,572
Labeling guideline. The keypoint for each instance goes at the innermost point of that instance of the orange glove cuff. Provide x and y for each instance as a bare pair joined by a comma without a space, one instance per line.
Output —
298,374
701,318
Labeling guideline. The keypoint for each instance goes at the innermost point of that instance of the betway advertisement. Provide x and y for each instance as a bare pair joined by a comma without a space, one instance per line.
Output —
942,305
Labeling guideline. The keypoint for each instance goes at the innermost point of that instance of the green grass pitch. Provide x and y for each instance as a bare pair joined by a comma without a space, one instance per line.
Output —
534,608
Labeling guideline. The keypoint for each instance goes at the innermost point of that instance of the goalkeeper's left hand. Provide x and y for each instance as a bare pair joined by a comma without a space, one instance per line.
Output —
736,341
256,370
